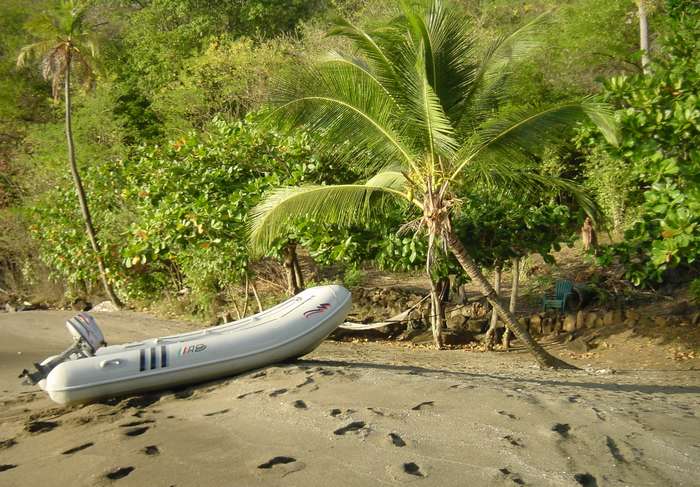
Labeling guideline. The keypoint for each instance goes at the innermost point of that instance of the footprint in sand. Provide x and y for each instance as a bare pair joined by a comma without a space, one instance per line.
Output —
507,414
412,469
562,428
376,411
136,431
78,448
396,440
5,444
215,413
40,426
7,466
422,405
276,461
513,477
278,392
250,393
258,375
513,441
151,450
299,404
136,423
354,426
614,450
119,473
586,480
184,394
141,402
308,381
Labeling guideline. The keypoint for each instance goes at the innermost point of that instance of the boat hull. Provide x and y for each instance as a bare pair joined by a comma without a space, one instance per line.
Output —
289,330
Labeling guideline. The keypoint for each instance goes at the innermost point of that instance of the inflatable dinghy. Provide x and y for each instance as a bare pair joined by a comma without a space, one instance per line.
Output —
89,370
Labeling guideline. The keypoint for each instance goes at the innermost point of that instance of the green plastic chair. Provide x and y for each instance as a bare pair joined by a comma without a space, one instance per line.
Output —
562,290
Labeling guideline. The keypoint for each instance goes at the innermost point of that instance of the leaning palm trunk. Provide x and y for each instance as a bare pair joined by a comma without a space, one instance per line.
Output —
541,355
82,198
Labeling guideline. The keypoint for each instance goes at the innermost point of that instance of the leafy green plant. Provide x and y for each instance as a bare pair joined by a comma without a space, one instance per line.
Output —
695,290
659,116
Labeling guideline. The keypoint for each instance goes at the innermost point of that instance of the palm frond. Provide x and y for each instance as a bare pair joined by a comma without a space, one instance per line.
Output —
345,205
449,48
34,50
498,174
345,104
365,44
426,117
363,69
518,135
489,86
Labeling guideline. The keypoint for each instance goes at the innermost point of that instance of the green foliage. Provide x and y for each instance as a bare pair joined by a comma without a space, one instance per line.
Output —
660,119
695,290
174,215
498,227
228,80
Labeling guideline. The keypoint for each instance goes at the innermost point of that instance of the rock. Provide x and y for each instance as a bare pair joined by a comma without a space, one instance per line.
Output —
569,323
630,322
660,320
579,345
599,323
456,322
609,318
477,326
547,326
80,304
631,314
105,307
13,308
454,338
580,320
590,320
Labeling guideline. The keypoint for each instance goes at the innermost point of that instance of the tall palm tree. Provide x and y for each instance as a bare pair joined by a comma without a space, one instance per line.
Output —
66,47
423,111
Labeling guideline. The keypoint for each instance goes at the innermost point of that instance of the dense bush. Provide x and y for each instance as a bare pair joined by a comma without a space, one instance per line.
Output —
659,158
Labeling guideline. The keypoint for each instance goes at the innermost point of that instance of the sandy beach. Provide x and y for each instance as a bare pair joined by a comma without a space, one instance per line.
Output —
350,414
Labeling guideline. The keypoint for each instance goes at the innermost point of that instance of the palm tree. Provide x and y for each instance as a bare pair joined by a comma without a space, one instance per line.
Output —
423,111
66,47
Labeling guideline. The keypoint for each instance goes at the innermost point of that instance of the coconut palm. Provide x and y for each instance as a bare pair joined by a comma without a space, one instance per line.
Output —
67,48
423,111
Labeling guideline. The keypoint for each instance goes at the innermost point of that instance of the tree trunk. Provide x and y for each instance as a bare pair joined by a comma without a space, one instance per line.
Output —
544,359
82,198
257,298
513,298
643,35
435,312
490,338
289,257
298,276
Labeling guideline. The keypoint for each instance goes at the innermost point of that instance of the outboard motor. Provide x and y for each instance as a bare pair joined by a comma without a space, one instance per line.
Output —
87,339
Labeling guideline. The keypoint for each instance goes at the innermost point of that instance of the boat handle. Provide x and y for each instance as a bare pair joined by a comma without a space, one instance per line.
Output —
109,363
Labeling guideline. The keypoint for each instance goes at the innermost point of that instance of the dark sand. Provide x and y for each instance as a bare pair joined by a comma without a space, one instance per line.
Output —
351,414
